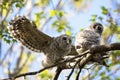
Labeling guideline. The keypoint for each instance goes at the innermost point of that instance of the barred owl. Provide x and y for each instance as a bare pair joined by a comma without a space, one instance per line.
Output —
89,38
54,48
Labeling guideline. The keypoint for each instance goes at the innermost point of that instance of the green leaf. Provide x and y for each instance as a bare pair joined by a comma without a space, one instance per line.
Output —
52,13
102,74
43,2
118,36
45,75
81,29
104,10
118,30
92,20
116,11
61,28
118,78
7,40
19,4
0,34
100,18
38,17
61,13
56,23
56,12
14,40
68,32
94,16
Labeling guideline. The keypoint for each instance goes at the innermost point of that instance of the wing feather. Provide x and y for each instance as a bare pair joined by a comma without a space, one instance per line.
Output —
26,32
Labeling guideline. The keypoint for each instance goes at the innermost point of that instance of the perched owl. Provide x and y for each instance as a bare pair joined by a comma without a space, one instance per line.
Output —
54,48
88,38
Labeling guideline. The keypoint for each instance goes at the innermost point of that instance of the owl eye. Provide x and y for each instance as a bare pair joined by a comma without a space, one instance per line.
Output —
95,26
78,47
98,27
64,38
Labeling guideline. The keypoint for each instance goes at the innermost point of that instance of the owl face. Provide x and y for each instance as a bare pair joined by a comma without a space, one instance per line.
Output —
97,27
64,41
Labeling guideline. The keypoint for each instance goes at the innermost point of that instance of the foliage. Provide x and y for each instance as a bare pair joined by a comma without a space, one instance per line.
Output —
46,75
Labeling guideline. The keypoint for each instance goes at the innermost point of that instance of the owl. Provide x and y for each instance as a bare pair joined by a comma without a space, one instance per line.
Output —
88,38
54,48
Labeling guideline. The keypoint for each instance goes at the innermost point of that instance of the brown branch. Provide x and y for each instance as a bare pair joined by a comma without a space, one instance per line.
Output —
97,49
105,48
58,71
41,70
83,62
84,77
77,77
68,78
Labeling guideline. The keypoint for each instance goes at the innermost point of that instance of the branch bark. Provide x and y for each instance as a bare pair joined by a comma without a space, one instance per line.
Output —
83,62
105,48
58,71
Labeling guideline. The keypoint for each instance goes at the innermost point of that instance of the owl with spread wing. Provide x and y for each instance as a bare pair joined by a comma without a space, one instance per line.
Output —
88,38
27,33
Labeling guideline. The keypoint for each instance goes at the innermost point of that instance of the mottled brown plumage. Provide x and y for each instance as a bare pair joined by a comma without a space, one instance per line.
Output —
54,48
89,38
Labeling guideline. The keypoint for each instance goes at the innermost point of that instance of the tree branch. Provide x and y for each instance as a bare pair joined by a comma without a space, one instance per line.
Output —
77,77
58,71
36,72
83,62
68,78
105,48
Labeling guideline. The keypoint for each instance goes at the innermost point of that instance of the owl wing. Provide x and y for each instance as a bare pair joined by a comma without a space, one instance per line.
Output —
27,33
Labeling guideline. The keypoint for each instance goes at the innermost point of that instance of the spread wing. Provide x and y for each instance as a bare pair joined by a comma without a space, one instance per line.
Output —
26,32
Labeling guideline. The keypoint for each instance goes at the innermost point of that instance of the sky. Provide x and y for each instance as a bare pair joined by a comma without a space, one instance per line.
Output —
77,21
82,19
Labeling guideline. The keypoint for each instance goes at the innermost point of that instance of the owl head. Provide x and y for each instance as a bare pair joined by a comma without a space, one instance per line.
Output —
64,41
97,27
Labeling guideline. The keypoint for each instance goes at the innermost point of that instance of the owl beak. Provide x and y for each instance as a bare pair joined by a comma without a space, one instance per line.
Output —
68,41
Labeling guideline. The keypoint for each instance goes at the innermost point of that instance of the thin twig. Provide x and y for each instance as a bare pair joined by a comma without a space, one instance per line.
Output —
17,69
91,68
1,62
88,74
77,77
82,64
58,71
9,61
68,77
1,28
